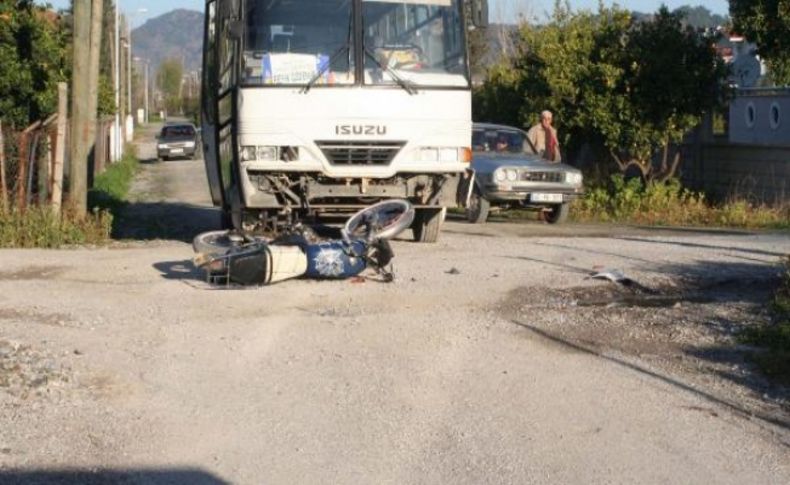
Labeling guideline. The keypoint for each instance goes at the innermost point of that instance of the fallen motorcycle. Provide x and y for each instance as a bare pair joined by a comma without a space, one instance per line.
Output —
230,257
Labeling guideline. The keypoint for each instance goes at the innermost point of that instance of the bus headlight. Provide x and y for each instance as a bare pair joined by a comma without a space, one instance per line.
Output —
267,154
260,153
445,154
248,153
429,155
448,154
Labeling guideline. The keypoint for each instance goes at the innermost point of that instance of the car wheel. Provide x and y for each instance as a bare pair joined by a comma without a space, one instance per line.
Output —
427,224
477,210
557,214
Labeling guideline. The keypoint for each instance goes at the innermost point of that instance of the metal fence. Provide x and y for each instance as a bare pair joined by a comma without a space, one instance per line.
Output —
28,162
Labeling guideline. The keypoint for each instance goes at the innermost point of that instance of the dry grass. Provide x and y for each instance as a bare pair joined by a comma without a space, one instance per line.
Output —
670,204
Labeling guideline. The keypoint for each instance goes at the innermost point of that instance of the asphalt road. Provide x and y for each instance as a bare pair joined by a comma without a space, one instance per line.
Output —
152,376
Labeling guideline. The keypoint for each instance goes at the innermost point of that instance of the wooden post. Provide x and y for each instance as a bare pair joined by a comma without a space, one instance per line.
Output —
60,148
21,172
3,193
43,167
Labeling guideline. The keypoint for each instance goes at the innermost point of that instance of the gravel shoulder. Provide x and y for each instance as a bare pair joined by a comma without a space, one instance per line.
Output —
477,365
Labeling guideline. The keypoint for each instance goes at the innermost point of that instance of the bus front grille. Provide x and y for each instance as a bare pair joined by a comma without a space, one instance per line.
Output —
360,152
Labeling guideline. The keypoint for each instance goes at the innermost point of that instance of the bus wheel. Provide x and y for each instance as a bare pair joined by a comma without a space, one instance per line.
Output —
427,224
230,221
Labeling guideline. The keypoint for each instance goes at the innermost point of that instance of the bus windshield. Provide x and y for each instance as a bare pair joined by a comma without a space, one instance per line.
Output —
289,42
301,42
420,41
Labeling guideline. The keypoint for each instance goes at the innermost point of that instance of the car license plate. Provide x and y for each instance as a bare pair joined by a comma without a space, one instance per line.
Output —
176,151
557,198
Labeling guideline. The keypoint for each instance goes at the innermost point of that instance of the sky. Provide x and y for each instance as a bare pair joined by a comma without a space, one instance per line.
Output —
500,10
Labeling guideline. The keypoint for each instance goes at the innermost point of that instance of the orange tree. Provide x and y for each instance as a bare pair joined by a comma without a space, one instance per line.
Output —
632,88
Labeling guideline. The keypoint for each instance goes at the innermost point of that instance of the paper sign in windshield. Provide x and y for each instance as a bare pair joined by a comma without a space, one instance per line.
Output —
294,68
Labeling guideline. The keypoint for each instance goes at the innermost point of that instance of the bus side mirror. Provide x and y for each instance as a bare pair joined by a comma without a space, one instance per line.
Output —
480,13
235,29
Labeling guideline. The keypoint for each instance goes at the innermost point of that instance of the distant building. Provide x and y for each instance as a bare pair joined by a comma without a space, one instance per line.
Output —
760,116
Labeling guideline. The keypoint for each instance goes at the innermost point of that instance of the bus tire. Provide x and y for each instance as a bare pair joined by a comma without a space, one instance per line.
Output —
226,220
427,224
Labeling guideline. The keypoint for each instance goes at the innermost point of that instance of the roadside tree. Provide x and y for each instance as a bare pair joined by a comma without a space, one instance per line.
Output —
767,23
631,89
169,79
33,60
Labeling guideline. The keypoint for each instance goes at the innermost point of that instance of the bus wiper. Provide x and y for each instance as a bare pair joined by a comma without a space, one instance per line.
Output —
325,67
344,48
407,85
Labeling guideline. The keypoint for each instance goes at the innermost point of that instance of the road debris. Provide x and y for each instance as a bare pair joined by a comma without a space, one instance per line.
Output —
617,276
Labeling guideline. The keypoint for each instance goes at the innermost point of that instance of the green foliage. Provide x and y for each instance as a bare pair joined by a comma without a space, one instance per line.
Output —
40,227
33,60
169,78
106,102
767,23
774,338
668,203
111,187
628,87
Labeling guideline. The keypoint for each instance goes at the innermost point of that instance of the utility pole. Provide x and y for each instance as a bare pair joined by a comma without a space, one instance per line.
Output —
146,91
117,85
80,141
129,114
60,148
87,35
94,53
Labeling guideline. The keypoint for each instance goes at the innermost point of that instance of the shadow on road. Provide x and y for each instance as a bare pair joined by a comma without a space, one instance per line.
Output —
106,477
692,322
178,270
164,220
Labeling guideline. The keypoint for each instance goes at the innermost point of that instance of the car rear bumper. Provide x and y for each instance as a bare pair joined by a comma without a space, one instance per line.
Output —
175,152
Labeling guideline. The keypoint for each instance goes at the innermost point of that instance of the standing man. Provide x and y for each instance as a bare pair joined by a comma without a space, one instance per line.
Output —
544,138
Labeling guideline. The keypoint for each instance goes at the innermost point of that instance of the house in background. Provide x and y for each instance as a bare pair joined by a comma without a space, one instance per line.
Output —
751,158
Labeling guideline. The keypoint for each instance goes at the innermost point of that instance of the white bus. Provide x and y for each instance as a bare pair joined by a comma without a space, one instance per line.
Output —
321,106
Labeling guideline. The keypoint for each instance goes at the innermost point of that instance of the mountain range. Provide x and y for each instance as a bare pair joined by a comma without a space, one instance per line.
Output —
175,35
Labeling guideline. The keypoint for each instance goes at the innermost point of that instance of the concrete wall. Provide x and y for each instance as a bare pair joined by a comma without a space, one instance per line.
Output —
723,170
760,117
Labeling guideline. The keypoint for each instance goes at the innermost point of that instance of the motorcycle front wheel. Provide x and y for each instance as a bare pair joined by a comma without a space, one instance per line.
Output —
383,220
